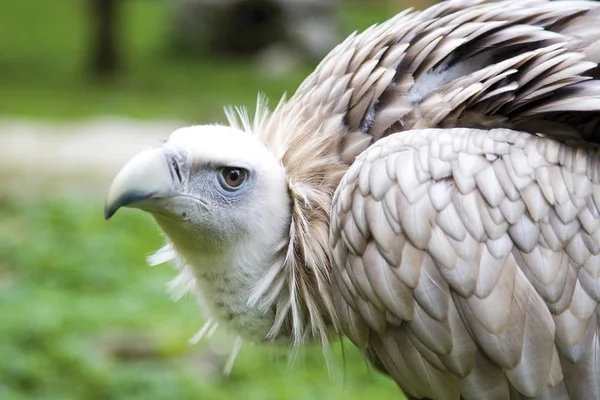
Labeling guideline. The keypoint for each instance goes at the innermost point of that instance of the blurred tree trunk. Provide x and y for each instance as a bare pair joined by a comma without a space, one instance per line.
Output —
255,28
104,52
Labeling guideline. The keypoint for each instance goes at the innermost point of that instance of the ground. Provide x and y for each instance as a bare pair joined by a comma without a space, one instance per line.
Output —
82,315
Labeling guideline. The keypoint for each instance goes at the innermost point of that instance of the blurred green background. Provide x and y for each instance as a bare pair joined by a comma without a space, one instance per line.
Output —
81,314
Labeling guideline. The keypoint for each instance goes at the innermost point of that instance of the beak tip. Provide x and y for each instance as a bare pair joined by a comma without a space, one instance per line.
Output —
109,212
127,199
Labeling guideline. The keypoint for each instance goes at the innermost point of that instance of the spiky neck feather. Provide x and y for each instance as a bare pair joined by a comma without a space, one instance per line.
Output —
224,278
307,143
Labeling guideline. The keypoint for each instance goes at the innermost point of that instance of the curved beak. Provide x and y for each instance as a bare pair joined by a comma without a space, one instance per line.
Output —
146,176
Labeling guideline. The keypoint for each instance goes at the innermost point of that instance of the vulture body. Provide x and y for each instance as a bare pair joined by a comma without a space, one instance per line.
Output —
431,191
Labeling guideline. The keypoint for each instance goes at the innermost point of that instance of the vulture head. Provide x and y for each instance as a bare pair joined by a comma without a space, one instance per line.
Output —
245,216
217,192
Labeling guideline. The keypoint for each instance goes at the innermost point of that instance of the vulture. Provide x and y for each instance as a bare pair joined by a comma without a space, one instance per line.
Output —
431,191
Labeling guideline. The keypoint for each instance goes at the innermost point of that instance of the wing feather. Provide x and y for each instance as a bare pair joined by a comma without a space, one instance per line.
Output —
503,294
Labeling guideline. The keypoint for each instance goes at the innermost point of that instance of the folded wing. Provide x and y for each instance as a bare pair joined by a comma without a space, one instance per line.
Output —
468,262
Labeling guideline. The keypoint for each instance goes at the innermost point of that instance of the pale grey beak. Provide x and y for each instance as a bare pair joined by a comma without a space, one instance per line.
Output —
147,175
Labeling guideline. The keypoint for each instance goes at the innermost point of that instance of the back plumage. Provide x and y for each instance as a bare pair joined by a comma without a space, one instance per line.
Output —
458,268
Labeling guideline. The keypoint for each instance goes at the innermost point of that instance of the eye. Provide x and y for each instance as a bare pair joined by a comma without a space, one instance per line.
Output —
233,178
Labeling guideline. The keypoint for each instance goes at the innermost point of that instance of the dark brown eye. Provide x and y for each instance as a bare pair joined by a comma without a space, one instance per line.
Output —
234,177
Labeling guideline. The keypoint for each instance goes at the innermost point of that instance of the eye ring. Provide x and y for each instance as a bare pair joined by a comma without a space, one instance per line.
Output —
232,178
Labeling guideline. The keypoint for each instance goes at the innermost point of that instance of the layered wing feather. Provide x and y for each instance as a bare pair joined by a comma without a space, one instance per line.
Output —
468,261
460,63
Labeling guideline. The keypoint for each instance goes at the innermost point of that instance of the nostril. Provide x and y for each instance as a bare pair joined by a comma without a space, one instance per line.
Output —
176,169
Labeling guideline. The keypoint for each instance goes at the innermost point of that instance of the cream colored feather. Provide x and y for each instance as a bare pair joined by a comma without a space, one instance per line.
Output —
461,251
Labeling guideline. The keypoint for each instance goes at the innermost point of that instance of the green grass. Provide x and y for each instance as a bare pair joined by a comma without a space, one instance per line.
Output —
84,317
44,55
